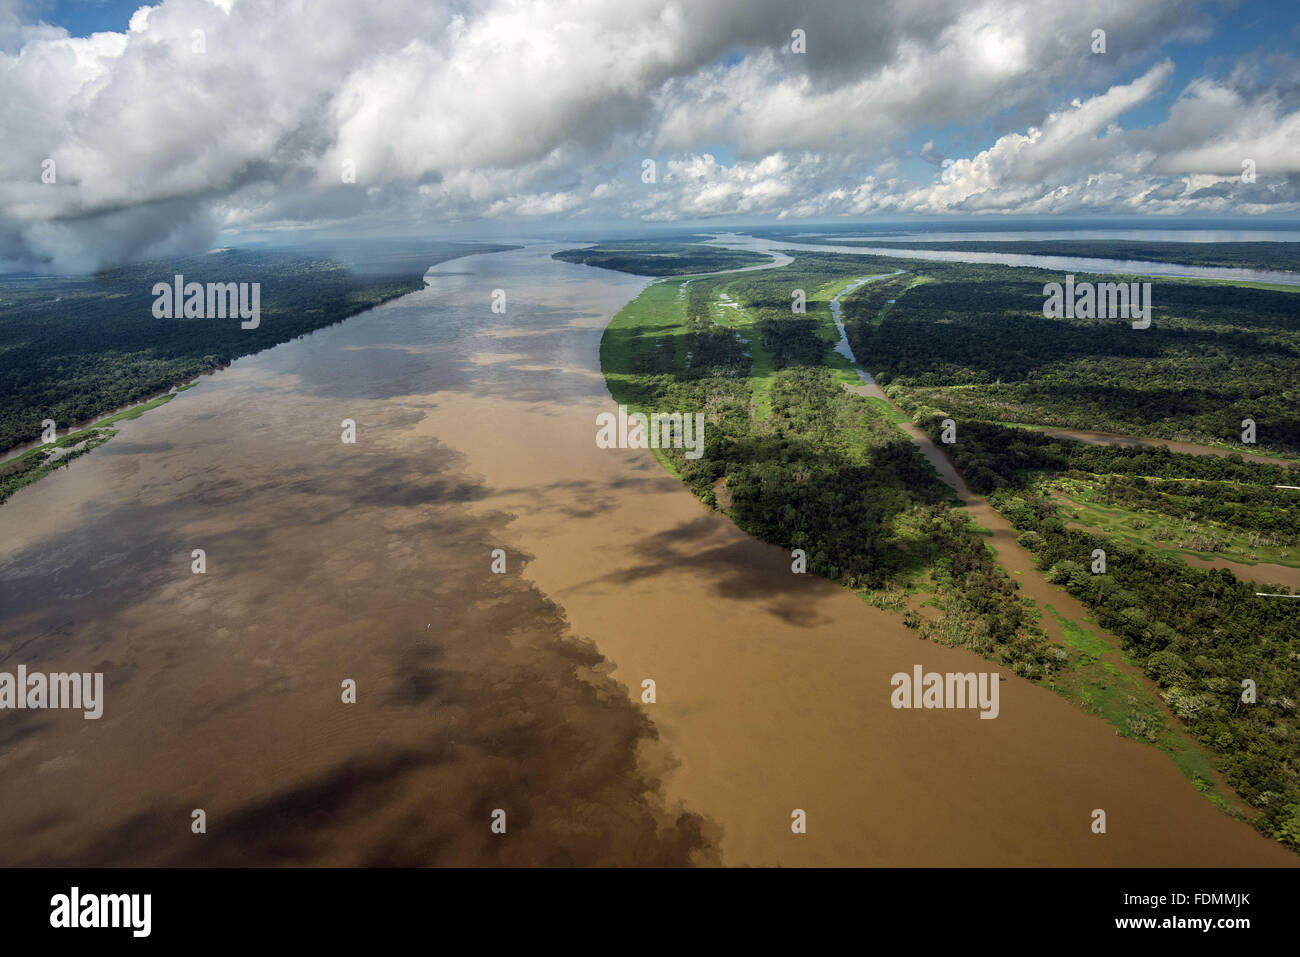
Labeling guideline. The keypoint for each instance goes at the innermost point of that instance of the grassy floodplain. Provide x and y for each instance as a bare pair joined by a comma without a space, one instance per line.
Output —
1096,504
35,463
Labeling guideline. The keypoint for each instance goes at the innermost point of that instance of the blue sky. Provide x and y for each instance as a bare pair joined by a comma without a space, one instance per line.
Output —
84,17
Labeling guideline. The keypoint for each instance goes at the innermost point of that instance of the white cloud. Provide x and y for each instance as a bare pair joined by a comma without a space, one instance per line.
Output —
537,204
453,111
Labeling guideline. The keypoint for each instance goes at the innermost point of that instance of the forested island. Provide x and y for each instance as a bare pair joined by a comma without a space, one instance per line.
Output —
799,460
660,258
803,463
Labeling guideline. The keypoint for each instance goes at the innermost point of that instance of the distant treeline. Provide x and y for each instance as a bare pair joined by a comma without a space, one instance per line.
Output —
656,258
74,348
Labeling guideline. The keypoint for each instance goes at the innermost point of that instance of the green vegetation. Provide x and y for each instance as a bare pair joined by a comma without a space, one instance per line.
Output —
973,341
656,258
972,345
1243,523
1095,684
25,469
31,465
1198,633
74,348
828,471
993,455
813,467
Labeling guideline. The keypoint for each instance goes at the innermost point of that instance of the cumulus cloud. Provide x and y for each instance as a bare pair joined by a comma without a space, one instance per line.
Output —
1081,159
1213,128
919,62
212,115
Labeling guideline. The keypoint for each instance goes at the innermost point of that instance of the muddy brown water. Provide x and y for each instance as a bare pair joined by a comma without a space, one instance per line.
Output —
479,691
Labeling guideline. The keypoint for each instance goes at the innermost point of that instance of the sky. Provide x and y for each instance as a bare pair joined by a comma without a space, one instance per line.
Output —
134,131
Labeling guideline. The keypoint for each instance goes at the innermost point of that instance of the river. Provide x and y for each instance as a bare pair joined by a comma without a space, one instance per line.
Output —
1042,235
837,313
479,691
1061,264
